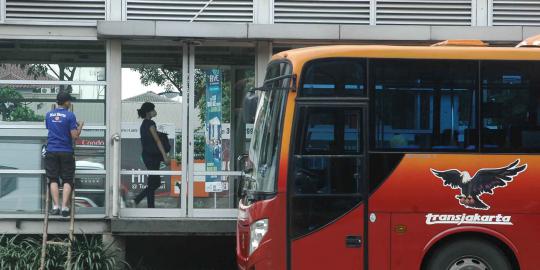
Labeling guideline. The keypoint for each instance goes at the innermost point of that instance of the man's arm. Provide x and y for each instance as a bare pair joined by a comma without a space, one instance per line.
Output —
76,128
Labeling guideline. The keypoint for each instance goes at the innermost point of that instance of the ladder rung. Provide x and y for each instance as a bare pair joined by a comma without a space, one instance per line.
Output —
58,243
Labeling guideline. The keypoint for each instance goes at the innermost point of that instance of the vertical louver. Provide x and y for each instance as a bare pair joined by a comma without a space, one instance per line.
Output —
424,12
186,10
322,11
56,10
513,12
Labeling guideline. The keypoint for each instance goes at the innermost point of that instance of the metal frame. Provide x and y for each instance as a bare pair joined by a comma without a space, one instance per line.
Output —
181,211
32,82
206,212
41,173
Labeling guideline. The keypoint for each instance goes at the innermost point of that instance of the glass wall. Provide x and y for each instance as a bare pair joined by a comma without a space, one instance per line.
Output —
223,75
151,73
31,74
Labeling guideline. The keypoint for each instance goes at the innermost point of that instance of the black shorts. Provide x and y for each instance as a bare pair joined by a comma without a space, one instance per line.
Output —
60,165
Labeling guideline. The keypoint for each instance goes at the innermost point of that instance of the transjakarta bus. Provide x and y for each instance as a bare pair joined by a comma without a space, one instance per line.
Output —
395,157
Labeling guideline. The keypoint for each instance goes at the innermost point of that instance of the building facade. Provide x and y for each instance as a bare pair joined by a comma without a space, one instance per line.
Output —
109,53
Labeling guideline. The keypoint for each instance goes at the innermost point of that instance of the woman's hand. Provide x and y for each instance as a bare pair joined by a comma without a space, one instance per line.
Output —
166,160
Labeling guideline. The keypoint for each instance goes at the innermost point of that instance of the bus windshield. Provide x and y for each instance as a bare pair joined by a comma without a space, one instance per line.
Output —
263,151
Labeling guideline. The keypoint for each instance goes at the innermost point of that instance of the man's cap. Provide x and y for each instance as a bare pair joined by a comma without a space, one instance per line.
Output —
63,97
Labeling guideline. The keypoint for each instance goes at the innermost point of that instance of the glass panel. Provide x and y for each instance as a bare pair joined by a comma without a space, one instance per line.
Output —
21,150
510,106
221,193
223,76
21,193
422,105
327,175
331,131
30,103
328,166
310,213
151,74
267,131
52,60
334,77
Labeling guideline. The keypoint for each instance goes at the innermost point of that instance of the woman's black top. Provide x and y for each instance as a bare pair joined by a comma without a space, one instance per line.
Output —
148,143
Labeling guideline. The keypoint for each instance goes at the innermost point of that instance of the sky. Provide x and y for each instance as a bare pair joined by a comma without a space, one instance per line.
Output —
132,86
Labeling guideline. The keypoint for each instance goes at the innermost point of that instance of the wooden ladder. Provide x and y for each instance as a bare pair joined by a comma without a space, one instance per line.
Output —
68,244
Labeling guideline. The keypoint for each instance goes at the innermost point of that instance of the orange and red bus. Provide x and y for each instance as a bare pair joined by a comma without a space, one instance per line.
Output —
394,157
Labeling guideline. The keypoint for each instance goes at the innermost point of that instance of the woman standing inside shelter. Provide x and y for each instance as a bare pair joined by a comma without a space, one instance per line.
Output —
153,152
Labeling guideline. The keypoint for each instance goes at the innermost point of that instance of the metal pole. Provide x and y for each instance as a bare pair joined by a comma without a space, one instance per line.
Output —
71,228
45,228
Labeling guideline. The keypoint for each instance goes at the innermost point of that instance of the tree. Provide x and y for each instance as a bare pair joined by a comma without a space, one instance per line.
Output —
13,109
9,101
62,73
170,78
26,114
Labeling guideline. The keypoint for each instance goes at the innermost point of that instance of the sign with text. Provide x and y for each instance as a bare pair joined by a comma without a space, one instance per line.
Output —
213,128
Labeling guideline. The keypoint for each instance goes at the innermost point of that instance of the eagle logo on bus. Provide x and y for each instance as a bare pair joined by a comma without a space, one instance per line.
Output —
484,181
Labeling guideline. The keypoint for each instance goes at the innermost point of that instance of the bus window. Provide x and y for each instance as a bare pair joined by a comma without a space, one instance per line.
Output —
328,166
424,105
334,77
510,106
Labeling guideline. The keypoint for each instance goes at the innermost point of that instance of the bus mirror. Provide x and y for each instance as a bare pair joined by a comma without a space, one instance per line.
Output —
244,163
250,106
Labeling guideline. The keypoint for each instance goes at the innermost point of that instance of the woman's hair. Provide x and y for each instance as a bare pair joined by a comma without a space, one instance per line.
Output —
145,108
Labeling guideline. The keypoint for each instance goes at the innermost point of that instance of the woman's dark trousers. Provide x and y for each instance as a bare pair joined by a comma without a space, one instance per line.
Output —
154,181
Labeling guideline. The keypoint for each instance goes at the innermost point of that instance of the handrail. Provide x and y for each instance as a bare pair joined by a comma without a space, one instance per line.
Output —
29,172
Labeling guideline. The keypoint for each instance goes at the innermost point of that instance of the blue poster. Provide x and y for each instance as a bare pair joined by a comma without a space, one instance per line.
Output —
213,149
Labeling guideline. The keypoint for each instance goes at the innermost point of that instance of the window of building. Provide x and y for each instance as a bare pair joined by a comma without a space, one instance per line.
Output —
31,75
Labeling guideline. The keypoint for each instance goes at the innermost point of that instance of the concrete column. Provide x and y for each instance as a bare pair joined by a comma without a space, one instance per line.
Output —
263,11
262,57
2,10
114,10
118,245
482,12
113,122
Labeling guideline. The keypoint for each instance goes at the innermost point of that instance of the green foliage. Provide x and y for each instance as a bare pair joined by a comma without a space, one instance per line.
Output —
170,78
26,114
10,99
16,253
89,253
199,147
12,108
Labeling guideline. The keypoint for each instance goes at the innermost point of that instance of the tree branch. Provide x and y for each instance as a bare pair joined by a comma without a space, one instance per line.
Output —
51,69
170,79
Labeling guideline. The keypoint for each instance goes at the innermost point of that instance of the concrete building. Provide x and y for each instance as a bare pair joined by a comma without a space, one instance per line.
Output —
105,51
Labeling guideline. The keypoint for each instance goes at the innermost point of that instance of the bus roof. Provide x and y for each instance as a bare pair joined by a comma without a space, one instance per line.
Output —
299,56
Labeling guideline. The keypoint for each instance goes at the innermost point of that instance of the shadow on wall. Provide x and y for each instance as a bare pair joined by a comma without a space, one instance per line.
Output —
181,252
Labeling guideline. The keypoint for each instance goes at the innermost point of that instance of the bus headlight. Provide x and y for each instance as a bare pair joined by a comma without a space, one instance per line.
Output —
257,231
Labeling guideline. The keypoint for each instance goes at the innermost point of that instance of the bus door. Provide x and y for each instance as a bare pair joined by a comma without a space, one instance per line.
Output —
326,186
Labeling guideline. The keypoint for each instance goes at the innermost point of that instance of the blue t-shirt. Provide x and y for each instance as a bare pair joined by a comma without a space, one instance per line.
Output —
60,122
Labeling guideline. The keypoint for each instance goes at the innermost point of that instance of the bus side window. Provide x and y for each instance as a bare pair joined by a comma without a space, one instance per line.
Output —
336,77
510,106
328,166
424,105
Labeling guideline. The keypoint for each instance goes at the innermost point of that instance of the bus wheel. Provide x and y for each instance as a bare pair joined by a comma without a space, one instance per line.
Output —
468,254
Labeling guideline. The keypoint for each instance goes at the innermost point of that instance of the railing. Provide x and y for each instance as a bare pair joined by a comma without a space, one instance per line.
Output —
360,12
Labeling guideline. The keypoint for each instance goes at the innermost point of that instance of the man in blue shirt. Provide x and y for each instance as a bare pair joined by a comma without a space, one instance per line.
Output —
59,160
